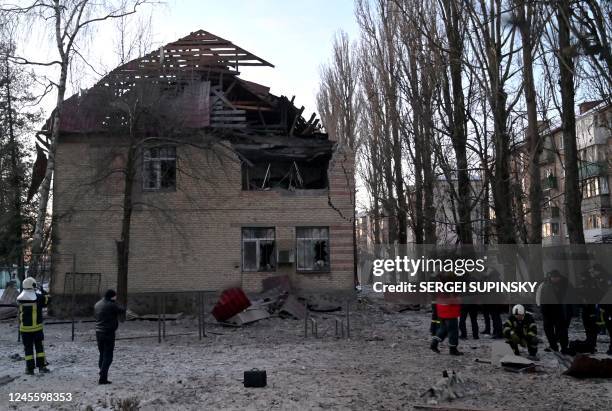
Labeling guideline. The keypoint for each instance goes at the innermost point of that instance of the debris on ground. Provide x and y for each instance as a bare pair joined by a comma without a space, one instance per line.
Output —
324,307
449,387
293,308
231,302
590,366
450,408
8,302
6,379
277,282
16,357
499,350
249,316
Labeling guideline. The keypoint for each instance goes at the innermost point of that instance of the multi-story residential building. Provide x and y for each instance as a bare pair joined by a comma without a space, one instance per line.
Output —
594,141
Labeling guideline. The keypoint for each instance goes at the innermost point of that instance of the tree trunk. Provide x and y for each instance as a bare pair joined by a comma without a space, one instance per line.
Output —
458,124
123,245
573,197
45,187
534,146
16,186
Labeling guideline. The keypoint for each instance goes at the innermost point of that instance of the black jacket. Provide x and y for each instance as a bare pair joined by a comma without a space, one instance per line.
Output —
107,313
555,293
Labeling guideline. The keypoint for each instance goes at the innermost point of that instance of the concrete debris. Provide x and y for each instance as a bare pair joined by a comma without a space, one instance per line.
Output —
6,379
16,357
249,316
292,307
324,308
515,361
448,388
499,349
590,366
277,282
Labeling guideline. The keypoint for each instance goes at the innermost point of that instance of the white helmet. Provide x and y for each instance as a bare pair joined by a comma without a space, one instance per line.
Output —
518,310
29,283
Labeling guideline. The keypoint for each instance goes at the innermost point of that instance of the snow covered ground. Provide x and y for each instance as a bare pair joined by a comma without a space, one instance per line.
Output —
386,364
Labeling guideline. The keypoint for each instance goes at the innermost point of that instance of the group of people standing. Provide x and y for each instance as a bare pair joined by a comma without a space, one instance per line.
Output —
33,299
449,318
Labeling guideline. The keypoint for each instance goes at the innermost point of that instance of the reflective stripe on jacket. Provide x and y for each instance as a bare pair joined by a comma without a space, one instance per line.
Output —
524,329
31,313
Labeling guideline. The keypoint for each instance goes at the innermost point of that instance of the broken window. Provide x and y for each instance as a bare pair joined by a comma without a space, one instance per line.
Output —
159,168
258,249
288,175
312,248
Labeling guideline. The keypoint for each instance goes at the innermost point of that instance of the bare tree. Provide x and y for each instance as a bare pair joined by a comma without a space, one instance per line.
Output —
69,22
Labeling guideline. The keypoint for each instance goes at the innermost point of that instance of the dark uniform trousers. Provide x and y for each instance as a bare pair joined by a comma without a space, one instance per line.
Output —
32,340
106,346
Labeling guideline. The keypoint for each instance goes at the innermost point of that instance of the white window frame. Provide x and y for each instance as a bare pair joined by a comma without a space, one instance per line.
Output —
303,242
156,163
258,242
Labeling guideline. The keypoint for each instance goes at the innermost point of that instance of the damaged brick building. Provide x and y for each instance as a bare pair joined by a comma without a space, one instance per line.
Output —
226,184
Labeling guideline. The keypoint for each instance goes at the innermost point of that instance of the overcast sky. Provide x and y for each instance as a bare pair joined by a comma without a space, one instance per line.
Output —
294,36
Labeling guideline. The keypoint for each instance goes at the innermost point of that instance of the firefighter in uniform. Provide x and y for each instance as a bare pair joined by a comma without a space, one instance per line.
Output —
31,305
520,329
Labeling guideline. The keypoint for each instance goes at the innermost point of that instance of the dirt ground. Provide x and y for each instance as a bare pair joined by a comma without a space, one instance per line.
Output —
386,364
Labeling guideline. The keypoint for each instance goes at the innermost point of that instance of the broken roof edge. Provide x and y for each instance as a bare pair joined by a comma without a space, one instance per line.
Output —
198,51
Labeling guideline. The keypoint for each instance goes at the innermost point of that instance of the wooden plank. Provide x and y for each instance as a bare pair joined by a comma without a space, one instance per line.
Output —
450,408
237,125
222,97
227,119
215,112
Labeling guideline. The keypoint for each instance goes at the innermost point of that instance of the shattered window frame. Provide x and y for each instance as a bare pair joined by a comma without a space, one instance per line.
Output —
159,168
307,237
263,238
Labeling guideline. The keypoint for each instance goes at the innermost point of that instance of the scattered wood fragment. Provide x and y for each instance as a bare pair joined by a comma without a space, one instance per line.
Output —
6,379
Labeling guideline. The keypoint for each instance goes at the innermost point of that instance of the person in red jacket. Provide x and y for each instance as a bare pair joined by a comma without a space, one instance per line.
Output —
449,311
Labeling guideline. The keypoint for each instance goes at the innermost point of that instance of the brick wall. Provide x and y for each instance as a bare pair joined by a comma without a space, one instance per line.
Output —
189,238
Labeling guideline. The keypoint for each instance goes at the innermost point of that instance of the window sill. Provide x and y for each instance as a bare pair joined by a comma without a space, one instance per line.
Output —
328,271
159,190
260,271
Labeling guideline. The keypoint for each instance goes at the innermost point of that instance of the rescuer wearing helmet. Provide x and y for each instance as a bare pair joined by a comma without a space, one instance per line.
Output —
520,329
31,305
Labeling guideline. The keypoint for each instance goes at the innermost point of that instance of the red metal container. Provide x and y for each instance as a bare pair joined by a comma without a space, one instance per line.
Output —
231,302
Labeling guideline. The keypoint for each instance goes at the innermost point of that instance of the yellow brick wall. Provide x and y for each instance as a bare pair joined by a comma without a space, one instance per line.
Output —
189,238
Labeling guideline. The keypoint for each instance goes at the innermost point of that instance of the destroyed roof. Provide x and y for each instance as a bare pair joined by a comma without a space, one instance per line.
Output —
192,82
199,51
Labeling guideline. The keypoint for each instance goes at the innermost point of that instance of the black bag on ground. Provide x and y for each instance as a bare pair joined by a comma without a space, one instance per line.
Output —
255,378
580,347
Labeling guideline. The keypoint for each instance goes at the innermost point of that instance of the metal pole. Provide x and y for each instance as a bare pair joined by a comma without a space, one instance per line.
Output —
306,325
203,314
73,291
164,316
73,299
199,305
158,300
348,322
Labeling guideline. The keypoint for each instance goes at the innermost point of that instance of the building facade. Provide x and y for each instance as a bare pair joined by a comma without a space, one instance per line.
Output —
266,195
594,142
